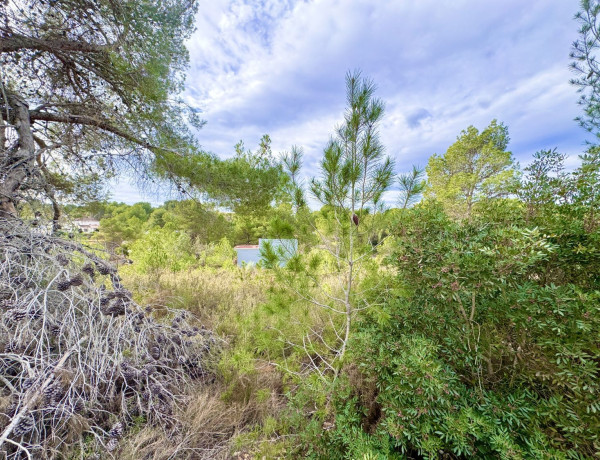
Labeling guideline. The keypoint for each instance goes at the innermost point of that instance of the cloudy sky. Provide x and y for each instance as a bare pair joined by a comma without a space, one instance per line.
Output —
278,66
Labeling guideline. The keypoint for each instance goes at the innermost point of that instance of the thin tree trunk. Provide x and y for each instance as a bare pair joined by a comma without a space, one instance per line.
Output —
49,192
348,306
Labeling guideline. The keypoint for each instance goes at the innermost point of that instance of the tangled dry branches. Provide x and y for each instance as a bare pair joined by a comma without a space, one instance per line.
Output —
79,359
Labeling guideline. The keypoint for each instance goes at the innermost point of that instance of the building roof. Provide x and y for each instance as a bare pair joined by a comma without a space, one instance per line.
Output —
86,222
246,246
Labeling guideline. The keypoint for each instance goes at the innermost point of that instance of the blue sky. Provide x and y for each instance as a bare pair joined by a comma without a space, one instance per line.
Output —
277,67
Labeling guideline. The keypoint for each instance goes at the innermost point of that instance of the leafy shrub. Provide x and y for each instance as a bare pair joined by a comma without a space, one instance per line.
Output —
480,356
162,248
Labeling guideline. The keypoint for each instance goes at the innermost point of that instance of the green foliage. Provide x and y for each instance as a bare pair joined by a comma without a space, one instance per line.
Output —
355,172
203,223
587,188
584,55
248,228
476,166
545,182
105,93
487,349
161,248
123,222
221,254
412,185
400,334
248,184
292,162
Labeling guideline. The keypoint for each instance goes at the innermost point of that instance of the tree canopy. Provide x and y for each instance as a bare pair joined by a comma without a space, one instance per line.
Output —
89,87
476,166
584,55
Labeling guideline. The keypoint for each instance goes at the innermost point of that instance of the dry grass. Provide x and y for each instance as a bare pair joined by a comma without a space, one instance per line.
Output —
210,294
242,399
207,429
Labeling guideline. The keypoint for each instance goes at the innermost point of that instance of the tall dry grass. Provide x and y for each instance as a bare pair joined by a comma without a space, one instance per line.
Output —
238,402
213,295
208,426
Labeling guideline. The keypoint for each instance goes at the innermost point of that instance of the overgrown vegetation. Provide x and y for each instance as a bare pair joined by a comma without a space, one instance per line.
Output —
462,323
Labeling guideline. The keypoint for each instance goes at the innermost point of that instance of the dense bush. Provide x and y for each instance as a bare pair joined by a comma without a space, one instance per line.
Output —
489,349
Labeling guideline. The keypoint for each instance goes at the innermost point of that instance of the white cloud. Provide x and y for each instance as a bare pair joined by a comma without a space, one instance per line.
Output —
277,67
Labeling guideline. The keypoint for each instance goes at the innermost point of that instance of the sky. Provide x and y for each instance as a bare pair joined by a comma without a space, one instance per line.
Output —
277,67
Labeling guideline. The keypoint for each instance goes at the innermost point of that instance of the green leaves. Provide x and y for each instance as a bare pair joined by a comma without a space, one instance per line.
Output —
514,322
476,166
101,80
355,172
412,185
584,53
292,162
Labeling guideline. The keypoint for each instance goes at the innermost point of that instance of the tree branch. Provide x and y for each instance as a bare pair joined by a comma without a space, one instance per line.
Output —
104,125
21,42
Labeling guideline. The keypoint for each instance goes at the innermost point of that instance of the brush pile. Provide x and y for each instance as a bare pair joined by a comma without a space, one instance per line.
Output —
80,361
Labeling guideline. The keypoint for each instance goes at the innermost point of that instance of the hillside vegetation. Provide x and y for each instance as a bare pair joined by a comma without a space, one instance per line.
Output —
461,320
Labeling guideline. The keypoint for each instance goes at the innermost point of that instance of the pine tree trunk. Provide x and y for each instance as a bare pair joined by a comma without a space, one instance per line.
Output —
20,162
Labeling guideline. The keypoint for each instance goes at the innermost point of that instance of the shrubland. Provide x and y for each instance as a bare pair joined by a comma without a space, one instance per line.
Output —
478,338
461,323
470,336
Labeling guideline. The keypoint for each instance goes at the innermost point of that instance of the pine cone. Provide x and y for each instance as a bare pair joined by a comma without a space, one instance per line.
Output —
123,294
116,310
18,314
103,269
150,368
53,393
27,384
129,373
5,293
63,285
24,426
155,352
156,389
116,431
62,260
88,269
112,444
76,280
7,304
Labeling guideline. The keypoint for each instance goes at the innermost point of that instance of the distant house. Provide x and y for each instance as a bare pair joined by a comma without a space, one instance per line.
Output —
249,254
87,225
